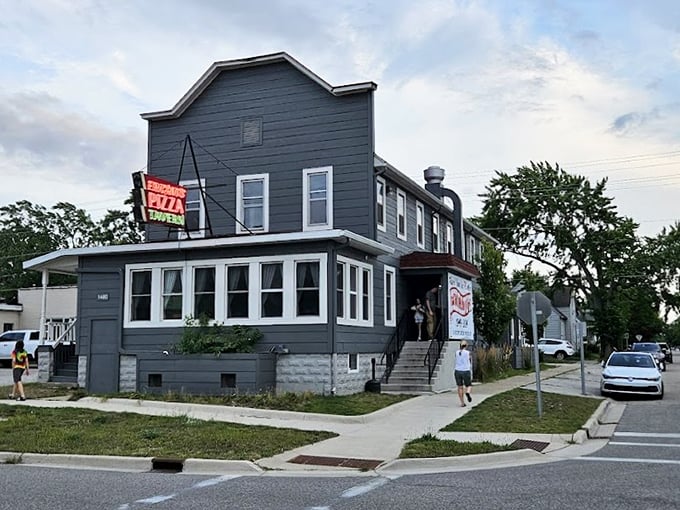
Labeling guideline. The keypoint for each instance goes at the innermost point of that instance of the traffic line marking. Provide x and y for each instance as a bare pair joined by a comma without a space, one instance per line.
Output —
639,461
648,434
364,488
624,443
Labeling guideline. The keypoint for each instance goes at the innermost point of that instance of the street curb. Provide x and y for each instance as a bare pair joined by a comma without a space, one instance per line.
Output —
220,467
591,425
105,462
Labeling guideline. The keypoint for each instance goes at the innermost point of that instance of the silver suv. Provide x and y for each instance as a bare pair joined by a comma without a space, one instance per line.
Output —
555,347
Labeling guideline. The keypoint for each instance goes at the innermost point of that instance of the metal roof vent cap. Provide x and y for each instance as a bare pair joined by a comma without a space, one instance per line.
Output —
434,174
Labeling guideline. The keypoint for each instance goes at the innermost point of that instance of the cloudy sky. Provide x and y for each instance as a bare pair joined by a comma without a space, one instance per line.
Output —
472,86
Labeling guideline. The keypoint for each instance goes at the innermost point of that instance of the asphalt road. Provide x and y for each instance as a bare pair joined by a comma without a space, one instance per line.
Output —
638,468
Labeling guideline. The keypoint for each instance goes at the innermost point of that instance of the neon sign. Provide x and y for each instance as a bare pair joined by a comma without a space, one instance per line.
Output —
158,201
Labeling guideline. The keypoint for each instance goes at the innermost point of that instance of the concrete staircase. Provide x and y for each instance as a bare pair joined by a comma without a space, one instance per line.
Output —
409,375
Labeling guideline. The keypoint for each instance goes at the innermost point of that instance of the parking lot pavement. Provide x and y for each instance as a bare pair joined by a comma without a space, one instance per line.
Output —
6,377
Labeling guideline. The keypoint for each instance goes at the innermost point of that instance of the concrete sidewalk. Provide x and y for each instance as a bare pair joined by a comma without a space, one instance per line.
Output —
376,438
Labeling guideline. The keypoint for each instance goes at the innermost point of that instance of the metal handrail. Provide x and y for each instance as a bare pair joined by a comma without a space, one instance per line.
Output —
394,346
434,352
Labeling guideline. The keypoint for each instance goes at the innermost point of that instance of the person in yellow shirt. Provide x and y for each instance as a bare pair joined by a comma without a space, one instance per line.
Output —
19,366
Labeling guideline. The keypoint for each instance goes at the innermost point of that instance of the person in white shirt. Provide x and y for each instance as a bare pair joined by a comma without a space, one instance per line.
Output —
462,373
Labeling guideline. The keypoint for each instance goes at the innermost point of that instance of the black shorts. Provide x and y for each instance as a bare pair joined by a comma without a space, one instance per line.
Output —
17,373
463,377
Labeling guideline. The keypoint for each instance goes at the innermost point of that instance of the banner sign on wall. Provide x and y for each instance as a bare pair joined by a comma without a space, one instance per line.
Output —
158,201
461,325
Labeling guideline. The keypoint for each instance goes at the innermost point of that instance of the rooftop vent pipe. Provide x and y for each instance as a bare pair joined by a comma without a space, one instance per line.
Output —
434,175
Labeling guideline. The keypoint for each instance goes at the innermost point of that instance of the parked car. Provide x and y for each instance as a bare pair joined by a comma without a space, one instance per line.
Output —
631,373
667,352
554,347
8,340
654,349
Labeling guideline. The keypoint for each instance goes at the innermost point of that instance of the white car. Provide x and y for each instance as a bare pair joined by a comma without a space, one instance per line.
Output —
554,347
631,373
8,340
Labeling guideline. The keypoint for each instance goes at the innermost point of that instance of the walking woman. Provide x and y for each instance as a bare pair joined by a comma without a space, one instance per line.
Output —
462,373
19,366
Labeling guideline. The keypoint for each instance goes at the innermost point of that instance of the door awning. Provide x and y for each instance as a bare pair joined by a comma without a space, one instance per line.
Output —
426,260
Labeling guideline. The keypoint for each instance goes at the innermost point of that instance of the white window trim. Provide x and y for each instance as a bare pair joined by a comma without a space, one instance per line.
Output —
352,370
240,229
193,234
449,237
366,323
382,222
403,236
436,221
392,290
254,288
329,198
420,224
473,249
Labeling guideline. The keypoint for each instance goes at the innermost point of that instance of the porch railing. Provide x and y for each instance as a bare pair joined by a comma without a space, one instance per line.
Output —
394,346
434,352
61,330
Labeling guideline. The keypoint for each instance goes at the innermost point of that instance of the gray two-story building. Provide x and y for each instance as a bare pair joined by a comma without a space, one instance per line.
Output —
294,226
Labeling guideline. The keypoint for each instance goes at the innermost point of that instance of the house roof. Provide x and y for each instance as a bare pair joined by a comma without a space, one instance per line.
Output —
427,260
66,260
421,193
225,65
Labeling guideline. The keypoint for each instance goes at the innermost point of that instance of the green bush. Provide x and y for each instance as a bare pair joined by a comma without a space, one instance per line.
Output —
491,363
200,337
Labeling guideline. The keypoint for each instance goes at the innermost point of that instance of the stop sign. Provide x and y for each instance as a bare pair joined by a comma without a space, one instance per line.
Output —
543,307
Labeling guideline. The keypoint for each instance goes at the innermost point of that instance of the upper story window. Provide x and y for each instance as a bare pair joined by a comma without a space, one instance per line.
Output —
390,304
317,196
380,199
195,210
420,225
473,250
401,215
435,233
356,293
449,237
252,203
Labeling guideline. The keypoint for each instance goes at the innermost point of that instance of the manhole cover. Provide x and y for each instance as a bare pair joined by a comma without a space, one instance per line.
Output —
336,462
539,446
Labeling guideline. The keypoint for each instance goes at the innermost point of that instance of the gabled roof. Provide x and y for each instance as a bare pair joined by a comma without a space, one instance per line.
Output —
226,65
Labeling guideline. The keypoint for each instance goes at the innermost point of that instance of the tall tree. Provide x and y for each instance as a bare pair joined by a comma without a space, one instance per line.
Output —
568,224
494,307
29,230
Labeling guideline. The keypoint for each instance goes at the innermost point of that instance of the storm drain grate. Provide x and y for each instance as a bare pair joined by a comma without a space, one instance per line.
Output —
539,446
336,462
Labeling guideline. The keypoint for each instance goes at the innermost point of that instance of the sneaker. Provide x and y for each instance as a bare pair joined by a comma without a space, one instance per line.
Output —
469,397
21,398
11,397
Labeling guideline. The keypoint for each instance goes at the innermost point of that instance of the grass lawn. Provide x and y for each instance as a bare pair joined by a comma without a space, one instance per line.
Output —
346,405
88,432
429,446
516,411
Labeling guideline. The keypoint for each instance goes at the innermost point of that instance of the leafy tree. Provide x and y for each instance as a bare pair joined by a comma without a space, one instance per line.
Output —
29,230
531,279
494,307
568,224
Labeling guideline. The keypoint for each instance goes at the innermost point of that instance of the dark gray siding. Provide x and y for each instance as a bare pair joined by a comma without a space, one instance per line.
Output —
202,374
303,126
99,297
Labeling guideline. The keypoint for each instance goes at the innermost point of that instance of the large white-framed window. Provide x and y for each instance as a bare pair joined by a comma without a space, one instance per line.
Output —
435,233
204,292
356,294
317,198
449,237
381,200
288,289
401,215
390,299
195,210
252,203
420,225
